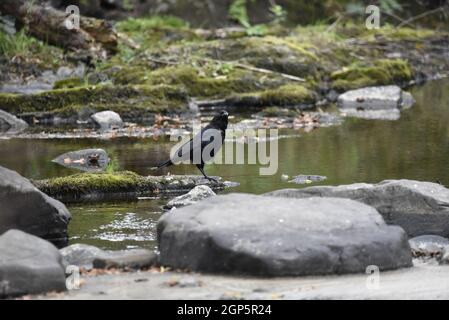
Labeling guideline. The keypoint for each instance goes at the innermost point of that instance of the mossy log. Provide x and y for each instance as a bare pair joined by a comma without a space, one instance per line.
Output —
47,24
124,185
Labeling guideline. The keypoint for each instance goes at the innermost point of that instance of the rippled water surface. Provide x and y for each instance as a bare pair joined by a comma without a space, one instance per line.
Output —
414,147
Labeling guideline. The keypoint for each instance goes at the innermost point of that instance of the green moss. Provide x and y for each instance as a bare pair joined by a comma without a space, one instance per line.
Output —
405,33
155,22
151,33
381,72
91,182
286,95
117,98
198,82
129,75
68,83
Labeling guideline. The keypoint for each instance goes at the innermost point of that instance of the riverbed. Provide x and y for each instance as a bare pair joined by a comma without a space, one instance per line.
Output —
414,147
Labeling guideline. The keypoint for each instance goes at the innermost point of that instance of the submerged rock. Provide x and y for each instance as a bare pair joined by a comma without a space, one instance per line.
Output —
419,207
88,257
108,120
85,160
303,179
384,102
26,208
196,194
29,265
10,123
268,236
428,246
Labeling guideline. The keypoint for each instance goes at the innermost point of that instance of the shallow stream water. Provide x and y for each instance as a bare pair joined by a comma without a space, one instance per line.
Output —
414,147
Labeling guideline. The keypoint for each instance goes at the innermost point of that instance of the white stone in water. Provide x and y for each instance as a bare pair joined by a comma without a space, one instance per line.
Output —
196,194
384,102
428,245
371,98
108,119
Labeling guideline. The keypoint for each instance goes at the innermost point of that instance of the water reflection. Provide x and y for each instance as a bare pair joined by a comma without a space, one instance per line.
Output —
414,147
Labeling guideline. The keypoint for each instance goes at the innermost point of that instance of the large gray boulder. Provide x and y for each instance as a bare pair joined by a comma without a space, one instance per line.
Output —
29,265
420,208
268,236
10,123
24,207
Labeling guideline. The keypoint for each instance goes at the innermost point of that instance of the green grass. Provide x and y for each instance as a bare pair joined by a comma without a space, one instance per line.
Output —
19,44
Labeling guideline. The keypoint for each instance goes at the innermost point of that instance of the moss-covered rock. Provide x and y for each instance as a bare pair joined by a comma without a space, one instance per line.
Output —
286,95
68,83
162,63
118,185
121,98
204,83
381,72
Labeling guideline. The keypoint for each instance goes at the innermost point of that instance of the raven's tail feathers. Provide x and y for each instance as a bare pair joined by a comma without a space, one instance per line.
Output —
162,165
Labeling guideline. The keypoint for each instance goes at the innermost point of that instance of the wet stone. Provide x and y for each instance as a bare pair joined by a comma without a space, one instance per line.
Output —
430,246
92,160
133,259
303,179
267,236
196,194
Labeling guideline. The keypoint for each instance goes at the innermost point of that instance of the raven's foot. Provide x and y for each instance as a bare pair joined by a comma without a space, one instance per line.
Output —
212,179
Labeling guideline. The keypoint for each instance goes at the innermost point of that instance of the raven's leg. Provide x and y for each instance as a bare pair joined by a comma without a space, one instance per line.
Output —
201,167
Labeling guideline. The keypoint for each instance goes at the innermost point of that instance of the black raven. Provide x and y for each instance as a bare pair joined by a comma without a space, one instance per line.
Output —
203,146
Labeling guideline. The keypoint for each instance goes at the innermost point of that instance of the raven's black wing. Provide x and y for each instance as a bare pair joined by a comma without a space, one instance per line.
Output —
192,151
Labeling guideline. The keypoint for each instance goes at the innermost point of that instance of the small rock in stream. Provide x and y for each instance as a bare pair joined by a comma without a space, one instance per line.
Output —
91,160
131,259
428,246
196,194
303,179
383,102
108,120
